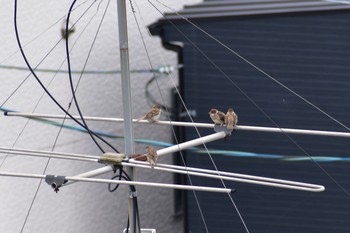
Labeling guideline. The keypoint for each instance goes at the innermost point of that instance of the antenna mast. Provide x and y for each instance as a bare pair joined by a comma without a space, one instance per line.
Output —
127,106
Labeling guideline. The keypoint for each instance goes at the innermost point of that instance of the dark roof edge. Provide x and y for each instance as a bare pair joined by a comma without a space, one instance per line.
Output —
231,12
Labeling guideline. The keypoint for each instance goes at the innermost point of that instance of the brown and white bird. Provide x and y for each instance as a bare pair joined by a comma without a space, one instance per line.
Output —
139,157
231,119
152,115
217,116
152,156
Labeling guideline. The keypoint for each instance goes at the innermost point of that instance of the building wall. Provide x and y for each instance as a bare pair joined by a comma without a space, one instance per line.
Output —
308,53
80,207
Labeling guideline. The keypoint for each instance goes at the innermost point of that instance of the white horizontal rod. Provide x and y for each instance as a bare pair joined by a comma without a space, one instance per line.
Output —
138,183
50,152
47,155
108,119
150,184
173,168
56,155
257,180
192,124
231,174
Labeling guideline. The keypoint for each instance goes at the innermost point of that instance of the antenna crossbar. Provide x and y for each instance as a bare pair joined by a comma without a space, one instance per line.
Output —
192,124
257,180
123,182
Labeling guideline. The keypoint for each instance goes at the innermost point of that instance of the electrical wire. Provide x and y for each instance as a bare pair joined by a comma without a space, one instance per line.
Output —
61,125
26,78
172,128
36,37
47,54
255,67
232,201
120,176
37,104
123,175
70,74
250,99
42,85
48,160
69,106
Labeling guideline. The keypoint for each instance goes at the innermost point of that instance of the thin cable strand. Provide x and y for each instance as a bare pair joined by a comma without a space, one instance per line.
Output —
172,128
69,106
35,68
70,74
55,142
257,106
26,78
42,95
199,135
37,36
256,67
42,85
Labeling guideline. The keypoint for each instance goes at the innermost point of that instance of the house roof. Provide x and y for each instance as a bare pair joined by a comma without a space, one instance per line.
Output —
228,8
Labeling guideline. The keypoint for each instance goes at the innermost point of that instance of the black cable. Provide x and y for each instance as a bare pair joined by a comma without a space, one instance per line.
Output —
120,176
71,80
42,85
137,211
123,175
134,199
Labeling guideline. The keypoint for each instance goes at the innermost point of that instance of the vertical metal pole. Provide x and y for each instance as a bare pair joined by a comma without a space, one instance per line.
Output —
127,107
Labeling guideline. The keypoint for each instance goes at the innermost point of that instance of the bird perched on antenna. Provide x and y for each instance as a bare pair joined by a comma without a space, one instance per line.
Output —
152,155
217,116
152,115
138,157
231,119
71,30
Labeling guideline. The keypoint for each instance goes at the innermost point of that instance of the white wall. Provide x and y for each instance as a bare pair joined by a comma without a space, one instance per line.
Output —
81,207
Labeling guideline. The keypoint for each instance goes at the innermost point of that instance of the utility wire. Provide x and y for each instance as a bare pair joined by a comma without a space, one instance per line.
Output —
199,135
80,34
25,79
42,85
36,67
33,39
70,74
250,99
37,104
172,128
48,160
254,66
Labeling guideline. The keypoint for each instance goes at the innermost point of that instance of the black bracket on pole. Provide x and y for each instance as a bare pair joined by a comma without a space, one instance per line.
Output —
55,181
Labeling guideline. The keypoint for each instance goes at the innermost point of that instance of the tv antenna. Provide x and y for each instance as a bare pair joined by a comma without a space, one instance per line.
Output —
113,160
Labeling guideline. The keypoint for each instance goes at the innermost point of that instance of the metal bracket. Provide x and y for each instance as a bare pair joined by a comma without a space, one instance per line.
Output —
111,158
132,194
55,181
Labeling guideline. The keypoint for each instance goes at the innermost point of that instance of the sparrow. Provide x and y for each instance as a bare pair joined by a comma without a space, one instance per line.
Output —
152,155
231,119
71,30
138,157
152,115
217,116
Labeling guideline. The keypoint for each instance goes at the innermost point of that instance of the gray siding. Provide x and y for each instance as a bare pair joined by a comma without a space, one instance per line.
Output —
309,53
